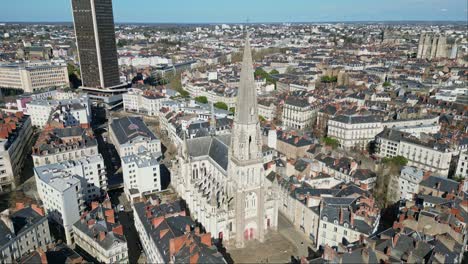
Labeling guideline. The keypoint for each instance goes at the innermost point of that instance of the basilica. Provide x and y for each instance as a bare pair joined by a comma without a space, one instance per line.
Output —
221,177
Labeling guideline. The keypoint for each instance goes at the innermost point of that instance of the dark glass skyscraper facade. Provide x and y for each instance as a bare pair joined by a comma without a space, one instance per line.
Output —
95,38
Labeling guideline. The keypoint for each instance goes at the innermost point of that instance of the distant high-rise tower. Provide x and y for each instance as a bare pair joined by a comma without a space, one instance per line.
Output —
95,37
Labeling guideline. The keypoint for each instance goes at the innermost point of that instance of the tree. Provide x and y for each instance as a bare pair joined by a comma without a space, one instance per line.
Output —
201,99
259,72
332,142
329,79
398,161
273,72
74,75
221,105
232,110
386,84
290,69
261,118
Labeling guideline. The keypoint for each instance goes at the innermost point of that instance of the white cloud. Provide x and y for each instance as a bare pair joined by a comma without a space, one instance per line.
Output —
444,10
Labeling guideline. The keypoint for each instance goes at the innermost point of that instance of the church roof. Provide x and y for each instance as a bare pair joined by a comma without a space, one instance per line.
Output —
216,148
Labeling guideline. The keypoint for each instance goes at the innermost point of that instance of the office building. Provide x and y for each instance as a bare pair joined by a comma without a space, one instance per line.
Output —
31,77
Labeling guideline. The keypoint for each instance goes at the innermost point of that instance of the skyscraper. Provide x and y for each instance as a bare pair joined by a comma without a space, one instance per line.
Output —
95,37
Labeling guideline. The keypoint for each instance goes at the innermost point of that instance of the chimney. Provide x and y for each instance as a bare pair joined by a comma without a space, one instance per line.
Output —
19,206
107,204
118,230
94,205
187,229
351,218
388,250
91,223
102,236
341,216
37,209
197,230
157,221
395,239
42,255
206,239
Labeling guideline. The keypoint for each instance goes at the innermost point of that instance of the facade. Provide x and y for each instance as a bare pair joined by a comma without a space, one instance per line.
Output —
359,131
354,131
141,174
62,197
69,111
462,165
15,143
95,37
143,102
130,134
408,183
22,231
429,156
222,177
167,235
267,110
59,144
432,46
100,234
91,171
31,77
297,113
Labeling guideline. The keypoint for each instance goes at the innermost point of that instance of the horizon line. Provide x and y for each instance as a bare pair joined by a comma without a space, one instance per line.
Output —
251,23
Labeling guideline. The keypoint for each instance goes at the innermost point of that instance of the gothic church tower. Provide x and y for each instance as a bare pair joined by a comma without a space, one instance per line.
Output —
245,169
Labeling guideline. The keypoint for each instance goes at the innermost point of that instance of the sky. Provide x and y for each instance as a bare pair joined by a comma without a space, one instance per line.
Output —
234,11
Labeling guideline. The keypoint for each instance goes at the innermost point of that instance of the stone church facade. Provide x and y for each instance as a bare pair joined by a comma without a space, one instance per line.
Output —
221,177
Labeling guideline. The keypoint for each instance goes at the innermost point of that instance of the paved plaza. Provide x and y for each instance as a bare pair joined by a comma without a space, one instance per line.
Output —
279,246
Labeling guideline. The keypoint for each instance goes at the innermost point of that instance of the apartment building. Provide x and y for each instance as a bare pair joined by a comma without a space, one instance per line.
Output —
462,165
354,131
346,219
141,174
99,233
297,113
130,135
59,144
71,112
15,143
61,194
267,110
427,155
22,231
408,182
31,77
359,130
143,101
169,236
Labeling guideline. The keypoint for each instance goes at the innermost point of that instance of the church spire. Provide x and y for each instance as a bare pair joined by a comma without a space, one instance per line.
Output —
212,121
246,144
246,108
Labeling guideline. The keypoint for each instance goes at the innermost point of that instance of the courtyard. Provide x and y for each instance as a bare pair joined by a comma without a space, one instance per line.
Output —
279,246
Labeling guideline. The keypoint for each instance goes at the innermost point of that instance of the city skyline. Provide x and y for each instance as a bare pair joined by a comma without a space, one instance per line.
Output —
208,11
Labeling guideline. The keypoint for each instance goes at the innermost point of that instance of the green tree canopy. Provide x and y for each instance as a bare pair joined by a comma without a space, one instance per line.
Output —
332,142
274,71
201,99
399,161
329,79
221,105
